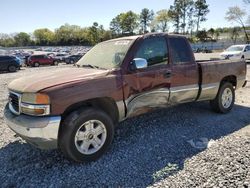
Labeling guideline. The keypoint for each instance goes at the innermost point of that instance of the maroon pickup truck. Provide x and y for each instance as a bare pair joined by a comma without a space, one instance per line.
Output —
76,109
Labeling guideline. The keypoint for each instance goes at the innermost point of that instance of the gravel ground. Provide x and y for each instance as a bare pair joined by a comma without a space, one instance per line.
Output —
183,146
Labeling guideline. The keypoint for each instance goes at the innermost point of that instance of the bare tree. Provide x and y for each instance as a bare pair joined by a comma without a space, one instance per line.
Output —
236,14
234,34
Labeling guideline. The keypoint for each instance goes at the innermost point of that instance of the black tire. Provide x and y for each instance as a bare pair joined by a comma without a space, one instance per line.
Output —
36,64
217,104
12,68
70,126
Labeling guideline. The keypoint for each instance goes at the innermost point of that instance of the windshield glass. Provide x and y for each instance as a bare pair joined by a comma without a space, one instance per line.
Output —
106,55
235,48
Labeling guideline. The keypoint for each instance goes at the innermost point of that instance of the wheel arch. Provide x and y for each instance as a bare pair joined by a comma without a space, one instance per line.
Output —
105,104
231,79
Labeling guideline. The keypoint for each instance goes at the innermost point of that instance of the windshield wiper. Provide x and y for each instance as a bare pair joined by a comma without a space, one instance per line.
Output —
92,66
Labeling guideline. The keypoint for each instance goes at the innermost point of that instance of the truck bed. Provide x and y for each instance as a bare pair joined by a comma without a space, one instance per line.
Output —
216,70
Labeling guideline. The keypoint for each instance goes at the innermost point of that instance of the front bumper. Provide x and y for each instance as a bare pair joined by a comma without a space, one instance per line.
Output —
41,132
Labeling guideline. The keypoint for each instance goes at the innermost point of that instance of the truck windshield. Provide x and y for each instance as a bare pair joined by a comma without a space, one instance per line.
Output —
106,55
235,48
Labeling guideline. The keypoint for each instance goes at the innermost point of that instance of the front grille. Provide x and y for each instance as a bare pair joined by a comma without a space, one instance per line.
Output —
14,102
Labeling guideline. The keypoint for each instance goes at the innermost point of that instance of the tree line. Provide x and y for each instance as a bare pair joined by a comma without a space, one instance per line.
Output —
185,16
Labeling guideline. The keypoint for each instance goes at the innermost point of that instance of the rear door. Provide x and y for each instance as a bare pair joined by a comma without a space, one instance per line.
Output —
46,60
185,75
148,88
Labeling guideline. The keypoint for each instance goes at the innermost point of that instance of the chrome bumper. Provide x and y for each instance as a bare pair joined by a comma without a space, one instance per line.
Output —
41,132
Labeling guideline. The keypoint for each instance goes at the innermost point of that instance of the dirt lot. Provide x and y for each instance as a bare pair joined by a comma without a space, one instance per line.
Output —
183,146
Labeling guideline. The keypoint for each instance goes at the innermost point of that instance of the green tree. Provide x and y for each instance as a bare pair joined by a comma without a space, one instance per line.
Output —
124,23
22,39
175,15
202,35
236,14
146,18
128,22
179,13
161,20
94,34
68,35
211,32
217,34
191,21
201,11
115,26
6,40
44,37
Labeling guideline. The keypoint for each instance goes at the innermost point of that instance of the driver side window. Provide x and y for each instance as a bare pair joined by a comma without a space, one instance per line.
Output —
154,50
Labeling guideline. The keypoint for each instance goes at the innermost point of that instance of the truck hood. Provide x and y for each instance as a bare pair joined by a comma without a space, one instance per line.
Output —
43,80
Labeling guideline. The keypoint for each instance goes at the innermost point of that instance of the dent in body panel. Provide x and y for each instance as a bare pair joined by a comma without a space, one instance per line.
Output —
147,101
121,110
183,94
160,98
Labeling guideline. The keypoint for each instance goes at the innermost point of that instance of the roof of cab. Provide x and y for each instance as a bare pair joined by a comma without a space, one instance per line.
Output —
135,37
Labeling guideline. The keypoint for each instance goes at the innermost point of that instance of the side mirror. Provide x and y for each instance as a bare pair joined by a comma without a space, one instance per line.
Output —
138,63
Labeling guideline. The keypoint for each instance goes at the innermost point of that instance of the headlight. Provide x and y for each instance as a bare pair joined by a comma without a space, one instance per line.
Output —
35,104
35,98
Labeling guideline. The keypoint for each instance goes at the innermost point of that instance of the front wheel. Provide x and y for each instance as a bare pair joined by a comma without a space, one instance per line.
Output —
36,64
56,63
12,68
224,101
86,134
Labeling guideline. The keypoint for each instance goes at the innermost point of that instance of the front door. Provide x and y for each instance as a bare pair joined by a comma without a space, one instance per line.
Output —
148,88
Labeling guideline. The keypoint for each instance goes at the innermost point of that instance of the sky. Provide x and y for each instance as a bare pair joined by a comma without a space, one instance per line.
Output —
28,15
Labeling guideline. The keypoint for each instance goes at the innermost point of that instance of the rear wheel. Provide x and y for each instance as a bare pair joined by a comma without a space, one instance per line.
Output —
86,134
36,64
224,101
56,63
12,68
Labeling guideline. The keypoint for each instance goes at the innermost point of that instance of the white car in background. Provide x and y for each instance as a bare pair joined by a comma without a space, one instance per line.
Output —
236,52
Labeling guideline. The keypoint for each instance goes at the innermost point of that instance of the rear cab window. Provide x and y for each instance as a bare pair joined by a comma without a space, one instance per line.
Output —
180,51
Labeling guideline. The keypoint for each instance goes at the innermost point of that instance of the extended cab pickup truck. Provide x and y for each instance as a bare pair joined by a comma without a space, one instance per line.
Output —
76,109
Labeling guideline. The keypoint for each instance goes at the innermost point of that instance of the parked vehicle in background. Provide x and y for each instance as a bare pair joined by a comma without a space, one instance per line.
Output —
61,57
10,63
37,60
237,52
73,59
77,109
